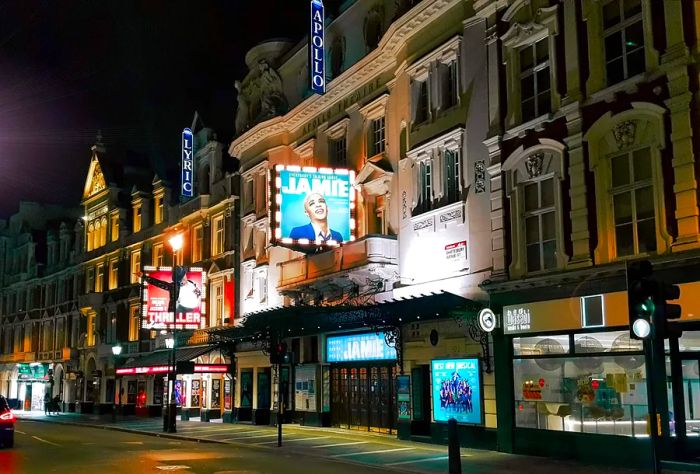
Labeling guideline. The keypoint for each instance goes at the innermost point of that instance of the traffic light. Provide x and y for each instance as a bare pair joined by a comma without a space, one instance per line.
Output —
641,292
668,312
278,352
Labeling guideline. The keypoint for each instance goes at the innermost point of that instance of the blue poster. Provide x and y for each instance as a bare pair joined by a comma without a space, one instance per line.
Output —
457,390
358,347
314,206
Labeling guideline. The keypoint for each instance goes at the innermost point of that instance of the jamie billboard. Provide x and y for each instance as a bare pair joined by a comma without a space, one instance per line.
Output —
191,302
358,347
457,390
314,206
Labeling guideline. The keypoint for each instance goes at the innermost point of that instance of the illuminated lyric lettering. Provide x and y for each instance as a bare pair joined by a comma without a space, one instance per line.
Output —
187,187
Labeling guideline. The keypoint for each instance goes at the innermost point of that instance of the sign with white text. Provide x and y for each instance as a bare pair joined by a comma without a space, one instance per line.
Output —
358,347
456,252
187,188
190,305
457,390
316,39
314,206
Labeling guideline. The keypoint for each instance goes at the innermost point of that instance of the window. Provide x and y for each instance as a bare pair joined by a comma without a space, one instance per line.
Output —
90,234
452,175
338,152
248,196
450,85
217,243
90,280
426,183
624,39
422,102
159,208
633,203
197,242
91,329
135,265
103,231
540,225
218,304
158,256
134,323
137,217
99,278
377,136
535,93
113,274
262,288
115,227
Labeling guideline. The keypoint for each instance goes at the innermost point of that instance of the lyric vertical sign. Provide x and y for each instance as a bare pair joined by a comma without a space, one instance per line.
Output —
187,164
316,39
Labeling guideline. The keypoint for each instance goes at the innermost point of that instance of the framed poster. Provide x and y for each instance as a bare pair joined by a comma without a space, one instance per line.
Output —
216,393
205,394
456,387
228,399
403,396
326,375
305,388
195,400
178,393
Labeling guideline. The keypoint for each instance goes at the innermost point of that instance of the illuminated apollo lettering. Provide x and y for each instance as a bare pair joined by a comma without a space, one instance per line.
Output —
316,38
187,161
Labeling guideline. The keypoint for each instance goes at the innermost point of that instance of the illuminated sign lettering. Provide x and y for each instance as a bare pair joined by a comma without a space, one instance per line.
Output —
316,39
187,164
357,347
163,369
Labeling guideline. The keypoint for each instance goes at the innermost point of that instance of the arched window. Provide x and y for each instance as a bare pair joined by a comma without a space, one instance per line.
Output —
625,157
91,231
103,231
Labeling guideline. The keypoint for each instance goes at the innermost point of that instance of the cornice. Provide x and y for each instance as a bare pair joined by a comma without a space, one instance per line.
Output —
361,72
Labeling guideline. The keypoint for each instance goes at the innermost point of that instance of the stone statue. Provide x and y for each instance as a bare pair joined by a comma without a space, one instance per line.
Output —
243,109
272,99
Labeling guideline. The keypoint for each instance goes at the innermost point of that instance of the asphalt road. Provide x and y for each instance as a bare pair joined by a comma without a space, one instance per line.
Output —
47,447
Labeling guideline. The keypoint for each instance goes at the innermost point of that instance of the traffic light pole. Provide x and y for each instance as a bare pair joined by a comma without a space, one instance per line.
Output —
280,409
649,351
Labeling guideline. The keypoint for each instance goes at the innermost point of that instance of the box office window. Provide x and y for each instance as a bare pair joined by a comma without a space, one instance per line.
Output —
586,382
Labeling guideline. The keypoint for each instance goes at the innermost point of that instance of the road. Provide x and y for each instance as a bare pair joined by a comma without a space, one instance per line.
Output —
47,447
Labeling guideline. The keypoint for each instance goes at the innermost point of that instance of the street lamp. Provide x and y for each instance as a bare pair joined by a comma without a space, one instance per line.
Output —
116,351
176,242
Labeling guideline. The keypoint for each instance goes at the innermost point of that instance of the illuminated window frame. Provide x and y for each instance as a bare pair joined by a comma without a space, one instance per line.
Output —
278,205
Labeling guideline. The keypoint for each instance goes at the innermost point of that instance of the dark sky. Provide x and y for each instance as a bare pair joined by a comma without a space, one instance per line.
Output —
137,70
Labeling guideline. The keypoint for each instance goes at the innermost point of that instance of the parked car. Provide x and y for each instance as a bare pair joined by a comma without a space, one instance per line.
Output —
7,424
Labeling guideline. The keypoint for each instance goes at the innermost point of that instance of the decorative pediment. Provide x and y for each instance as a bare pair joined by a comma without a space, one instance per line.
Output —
213,269
375,176
95,182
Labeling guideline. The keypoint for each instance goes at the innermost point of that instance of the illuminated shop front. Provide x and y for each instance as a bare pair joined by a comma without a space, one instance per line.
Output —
33,381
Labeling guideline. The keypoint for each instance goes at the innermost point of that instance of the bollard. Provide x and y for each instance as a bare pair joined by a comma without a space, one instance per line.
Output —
455,458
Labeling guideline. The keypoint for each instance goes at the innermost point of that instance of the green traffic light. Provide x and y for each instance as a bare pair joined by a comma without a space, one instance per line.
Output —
646,308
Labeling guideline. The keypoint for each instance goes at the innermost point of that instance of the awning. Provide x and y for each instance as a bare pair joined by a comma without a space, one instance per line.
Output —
300,320
160,357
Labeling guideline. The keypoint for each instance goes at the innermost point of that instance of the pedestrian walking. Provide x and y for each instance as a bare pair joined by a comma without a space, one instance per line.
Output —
47,402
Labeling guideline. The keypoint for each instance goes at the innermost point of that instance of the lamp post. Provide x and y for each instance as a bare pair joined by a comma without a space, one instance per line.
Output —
116,351
176,242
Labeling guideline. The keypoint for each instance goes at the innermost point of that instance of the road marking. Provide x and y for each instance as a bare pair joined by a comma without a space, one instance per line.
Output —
131,442
172,468
249,437
293,440
340,444
44,441
439,458
370,452
204,430
20,432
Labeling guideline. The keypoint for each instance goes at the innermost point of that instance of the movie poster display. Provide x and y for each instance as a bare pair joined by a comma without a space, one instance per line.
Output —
314,206
216,393
228,395
190,305
456,387
403,396
305,388
195,394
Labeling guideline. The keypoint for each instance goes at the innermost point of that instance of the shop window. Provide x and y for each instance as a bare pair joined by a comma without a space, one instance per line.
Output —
541,345
540,225
624,40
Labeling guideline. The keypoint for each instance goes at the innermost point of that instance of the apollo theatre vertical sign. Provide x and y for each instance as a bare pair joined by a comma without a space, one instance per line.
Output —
187,186
316,38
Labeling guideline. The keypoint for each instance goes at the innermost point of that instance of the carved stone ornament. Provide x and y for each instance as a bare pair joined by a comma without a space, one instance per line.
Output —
373,28
450,216
424,224
624,133
533,164
480,176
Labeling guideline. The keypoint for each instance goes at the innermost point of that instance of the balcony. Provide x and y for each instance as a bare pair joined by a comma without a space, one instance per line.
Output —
370,261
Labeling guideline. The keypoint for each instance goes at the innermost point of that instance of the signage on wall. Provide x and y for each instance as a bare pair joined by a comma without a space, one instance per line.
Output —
316,53
33,371
358,347
190,305
517,319
456,387
314,207
456,252
487,320
187,187
163,369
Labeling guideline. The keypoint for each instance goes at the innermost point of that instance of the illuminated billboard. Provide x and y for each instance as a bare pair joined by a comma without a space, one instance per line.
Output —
191,302
358,347
314,206
456,390
316,54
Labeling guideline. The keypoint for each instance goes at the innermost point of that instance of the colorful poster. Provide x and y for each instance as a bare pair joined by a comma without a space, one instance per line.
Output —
179,393
195,399
314,206
403,396
305,388
190,302
456,387
228,405
358,347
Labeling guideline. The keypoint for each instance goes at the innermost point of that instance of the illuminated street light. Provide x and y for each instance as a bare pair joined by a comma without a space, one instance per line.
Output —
176,242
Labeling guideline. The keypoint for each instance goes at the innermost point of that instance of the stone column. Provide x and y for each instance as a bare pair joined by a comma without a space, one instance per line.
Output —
580,234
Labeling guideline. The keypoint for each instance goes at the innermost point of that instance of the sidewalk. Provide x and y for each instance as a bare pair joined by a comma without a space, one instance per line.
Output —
331,443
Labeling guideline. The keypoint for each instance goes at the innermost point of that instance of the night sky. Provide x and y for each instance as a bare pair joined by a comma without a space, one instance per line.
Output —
137,70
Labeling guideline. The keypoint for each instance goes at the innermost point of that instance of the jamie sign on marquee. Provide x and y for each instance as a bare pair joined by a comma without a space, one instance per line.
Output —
187,188
156,299
358,347
314,206
316,39
457,390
